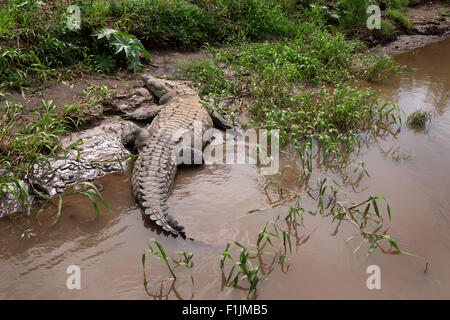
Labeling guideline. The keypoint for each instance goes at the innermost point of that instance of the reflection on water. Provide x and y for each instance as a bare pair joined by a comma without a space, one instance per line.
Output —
411,169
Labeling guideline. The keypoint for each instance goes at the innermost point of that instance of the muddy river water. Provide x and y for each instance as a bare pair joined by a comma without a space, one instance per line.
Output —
411,169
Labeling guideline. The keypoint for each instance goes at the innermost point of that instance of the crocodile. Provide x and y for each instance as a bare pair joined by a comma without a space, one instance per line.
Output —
154,170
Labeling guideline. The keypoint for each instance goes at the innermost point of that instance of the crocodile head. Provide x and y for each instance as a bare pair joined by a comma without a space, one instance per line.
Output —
165,90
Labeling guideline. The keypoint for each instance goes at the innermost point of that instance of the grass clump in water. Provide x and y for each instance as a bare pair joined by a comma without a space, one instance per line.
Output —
419,119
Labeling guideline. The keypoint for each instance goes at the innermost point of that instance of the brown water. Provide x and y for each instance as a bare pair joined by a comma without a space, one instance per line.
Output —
411,169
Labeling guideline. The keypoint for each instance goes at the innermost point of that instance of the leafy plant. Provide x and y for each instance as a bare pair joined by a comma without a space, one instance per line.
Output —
31,138
123,45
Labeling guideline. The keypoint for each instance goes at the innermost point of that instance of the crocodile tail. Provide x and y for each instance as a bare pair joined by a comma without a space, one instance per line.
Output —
153,176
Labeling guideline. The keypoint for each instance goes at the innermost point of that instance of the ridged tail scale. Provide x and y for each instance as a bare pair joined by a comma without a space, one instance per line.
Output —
154,171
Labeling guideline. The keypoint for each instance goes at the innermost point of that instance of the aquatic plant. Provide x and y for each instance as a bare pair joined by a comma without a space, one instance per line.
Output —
419,119
361,215
242,269
87,189
185,259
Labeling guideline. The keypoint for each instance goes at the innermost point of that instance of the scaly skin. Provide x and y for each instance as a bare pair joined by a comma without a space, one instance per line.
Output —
154,170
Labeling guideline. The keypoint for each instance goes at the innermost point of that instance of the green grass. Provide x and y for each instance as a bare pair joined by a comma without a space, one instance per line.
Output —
273,75
352,13
185,259
396,4
352,17
280,48
25,142
399,18
419,119
36,43
387,31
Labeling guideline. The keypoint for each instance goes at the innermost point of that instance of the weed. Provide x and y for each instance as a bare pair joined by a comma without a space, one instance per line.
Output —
27,139
396,4
419,119
185,259
272,74
37,44
242,269
353,13
382,66
360,215
444,12
90,191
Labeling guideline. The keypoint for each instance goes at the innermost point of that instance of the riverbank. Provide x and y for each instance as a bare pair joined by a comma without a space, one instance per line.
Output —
328,260
325,62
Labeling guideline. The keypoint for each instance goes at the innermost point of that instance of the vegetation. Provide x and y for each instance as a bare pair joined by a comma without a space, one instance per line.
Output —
419,119
30,138
387,30
184,262
272,77
244,267
36,42
399,18
22,145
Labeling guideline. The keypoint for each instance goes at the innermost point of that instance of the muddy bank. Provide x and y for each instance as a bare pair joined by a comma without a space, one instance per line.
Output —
100,152
430,23
93,151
